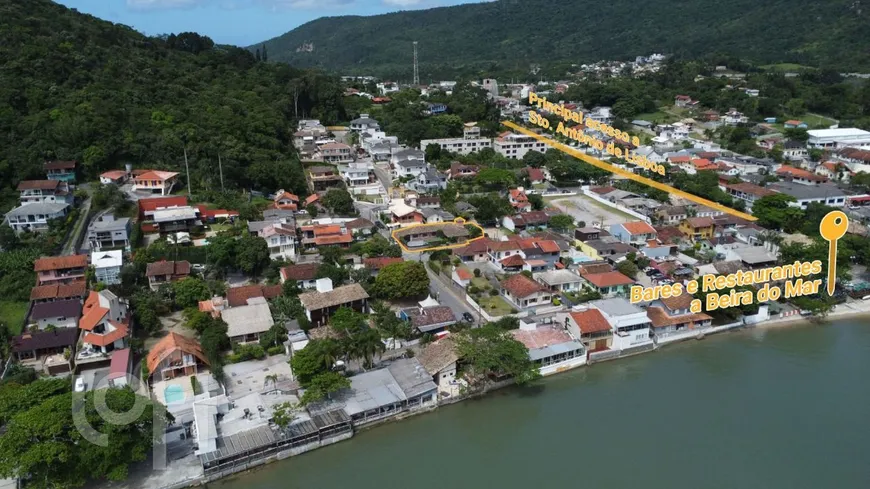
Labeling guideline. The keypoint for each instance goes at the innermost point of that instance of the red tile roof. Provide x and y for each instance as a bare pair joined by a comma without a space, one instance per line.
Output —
39,185
58,291
535,174
60,263
660,318
59,165
521,286
683,301
548,246
161,268
171,343
638,227
464,274
333,239
302,271
513,261
119,332
113,174
700,222
238,296
590,321
608,279
799,173
151,204
380,262
92,313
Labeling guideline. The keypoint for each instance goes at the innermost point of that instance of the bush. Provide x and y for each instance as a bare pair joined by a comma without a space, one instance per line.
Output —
556,301
477,272
493,292
410,353
275,350
435,267
243,353
473,290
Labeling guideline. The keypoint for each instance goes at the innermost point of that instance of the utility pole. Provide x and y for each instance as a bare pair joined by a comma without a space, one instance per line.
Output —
221,168
296,101
416,73
187,168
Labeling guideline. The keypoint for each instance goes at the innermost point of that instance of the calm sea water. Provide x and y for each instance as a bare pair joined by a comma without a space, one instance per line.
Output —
786,408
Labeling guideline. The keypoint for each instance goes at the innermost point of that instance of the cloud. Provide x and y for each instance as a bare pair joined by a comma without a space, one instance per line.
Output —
162,4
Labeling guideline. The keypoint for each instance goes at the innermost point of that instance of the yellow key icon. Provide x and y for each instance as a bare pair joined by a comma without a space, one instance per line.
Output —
832,228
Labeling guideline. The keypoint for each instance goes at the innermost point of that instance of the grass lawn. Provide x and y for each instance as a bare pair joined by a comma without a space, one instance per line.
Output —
12,314
656,117
494,305
220,226
481,283
813,121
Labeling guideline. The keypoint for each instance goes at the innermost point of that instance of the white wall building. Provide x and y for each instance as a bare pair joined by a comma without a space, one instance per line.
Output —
631,325
838,138
107,266
517,145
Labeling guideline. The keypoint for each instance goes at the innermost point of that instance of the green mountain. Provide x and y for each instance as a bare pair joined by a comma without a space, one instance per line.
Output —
74,87
509,35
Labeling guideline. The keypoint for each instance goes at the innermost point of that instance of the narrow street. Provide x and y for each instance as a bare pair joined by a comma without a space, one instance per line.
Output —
70,248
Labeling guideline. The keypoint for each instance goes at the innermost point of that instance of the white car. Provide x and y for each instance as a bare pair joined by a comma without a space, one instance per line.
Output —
80,385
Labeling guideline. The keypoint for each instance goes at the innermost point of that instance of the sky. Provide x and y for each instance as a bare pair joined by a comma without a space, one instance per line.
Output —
239,22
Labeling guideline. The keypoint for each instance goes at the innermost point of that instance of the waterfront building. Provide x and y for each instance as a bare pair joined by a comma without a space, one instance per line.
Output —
630,324
439,359
589,326
672,320
550,347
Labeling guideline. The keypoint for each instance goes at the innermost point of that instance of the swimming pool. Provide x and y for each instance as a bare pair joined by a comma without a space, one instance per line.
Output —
173,394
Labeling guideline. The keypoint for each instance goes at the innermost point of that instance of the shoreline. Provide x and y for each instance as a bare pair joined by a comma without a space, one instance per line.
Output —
863,310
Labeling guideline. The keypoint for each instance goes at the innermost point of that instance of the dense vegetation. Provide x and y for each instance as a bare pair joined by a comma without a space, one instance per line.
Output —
510,35
76,87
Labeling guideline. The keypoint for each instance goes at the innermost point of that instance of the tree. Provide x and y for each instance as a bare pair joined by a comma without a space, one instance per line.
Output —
347,321
339,201
317,357
286,307
215,342
367,344
490,208
323,385
222,251
494,177
403,279
336,273
312,210
774,212
490,352
43,444
252,254
562,222
534,159
189,291
274,336
284,414
627,268
537,201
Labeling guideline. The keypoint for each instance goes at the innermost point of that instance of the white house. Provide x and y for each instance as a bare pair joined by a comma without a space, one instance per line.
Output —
560,280
524,292
155,182
838,138
105,325
35,217
517,145
630,324
107,266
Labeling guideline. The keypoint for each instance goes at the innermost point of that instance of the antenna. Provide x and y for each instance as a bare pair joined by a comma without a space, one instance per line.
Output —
416,72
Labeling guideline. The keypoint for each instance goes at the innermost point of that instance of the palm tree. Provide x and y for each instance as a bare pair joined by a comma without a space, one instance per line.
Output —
369,344
328,350
273,378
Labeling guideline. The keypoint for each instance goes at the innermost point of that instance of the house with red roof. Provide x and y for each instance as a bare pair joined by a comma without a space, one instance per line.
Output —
672,320
54,270
113,176
155,182
285,200
799,175
462,276
304,274
633,232
60,170
608,284
590,327
519,200
536,176
834,170
524,292
105,327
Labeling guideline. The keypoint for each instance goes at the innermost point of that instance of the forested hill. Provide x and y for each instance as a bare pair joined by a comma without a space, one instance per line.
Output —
511,34
76,87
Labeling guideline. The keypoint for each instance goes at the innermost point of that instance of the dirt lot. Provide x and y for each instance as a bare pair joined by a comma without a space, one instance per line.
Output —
582,208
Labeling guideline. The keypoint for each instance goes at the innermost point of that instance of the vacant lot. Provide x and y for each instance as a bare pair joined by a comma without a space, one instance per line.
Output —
12,315
590,211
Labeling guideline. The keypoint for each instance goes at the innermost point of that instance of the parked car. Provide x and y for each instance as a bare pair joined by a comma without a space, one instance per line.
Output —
80,385
467,317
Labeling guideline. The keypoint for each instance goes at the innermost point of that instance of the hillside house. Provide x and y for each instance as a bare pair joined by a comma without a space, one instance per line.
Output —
60,269
35,217
154,181
65,171
164,272
44,192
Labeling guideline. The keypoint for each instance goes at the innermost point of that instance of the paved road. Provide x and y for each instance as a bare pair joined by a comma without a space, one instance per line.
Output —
383,175
447,295
79,228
